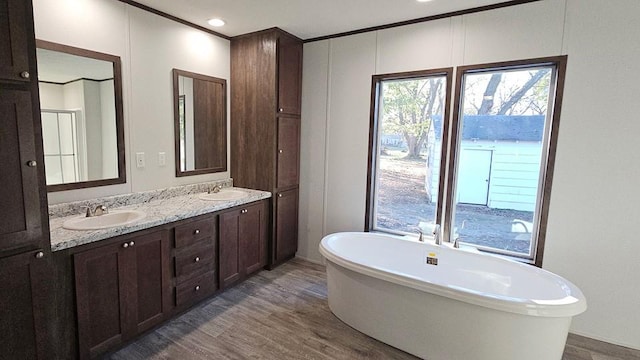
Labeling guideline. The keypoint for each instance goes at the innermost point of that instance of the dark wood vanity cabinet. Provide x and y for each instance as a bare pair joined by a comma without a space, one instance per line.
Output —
266,80
122,289
195,260
243,242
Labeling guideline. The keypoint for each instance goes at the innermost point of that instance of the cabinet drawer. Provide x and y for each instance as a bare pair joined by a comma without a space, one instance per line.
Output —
196,289
189,233
194,260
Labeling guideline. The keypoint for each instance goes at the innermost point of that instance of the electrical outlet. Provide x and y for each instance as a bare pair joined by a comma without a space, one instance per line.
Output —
162,159
140,160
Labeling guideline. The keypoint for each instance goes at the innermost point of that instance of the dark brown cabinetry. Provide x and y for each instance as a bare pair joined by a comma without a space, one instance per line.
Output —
286,224
21,224
243,242
22,297
195,260
15,18
265,124
122,289
25,261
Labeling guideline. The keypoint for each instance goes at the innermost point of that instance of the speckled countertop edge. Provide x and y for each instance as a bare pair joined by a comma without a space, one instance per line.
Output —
158,212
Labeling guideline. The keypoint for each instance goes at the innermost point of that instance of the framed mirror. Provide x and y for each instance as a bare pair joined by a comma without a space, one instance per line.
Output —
81,112
200,123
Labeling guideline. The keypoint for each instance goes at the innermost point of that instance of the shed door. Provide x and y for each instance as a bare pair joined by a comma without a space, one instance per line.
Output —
473,176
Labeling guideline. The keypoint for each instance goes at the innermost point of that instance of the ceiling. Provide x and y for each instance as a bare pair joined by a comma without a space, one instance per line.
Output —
59,67
307,18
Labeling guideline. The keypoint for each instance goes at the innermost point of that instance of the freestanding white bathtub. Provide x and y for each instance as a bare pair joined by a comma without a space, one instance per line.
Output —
470,306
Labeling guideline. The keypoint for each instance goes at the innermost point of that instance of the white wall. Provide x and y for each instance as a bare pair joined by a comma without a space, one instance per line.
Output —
149,47
597,154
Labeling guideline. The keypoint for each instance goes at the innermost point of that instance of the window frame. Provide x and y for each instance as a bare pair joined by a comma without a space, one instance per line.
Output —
376,82
451,147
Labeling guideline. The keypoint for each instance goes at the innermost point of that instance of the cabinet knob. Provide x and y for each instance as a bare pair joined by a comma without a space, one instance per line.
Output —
125,245
279,195
39,255
244,211
197,259
280,151
32,163
197,231
25,75
197,288
131,243
281,110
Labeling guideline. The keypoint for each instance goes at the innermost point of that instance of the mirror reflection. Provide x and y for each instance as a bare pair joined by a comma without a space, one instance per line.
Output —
80,97
200,123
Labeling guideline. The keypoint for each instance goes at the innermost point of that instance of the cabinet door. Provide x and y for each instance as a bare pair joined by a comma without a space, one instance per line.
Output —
22,300
150,296
19,196
100,298
15,17
229,248
286,242
289,75
288,150
253,238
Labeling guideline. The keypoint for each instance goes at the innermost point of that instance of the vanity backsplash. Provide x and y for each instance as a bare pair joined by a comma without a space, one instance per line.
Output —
79,207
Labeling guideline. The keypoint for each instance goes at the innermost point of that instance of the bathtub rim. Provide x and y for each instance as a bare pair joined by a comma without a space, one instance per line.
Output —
513,305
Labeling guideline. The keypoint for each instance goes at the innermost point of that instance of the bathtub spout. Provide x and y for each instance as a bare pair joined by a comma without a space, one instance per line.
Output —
436,234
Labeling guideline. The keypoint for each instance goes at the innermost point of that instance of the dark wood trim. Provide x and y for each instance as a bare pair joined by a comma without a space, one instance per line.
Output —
559,63
561,70
373,133
176,120
174,18
117,85
422,19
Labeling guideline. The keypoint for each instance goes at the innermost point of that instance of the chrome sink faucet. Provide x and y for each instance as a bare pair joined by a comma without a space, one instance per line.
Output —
215,189
99,210
436,234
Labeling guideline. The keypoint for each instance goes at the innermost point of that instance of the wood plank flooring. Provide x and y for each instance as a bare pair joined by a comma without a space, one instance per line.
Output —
283,314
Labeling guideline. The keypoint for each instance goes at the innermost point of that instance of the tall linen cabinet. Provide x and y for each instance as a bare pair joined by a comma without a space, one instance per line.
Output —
266,85
25,251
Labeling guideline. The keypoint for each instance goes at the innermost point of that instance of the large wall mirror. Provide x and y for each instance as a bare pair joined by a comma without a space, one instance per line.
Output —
81,111
200,112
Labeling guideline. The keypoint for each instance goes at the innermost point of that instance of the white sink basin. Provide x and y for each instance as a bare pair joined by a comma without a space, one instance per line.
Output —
111,219
224,195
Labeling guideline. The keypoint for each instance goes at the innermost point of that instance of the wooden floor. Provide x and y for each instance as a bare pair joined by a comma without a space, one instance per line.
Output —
283,314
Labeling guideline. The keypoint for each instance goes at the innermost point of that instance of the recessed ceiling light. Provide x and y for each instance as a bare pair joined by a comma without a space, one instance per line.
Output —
216,22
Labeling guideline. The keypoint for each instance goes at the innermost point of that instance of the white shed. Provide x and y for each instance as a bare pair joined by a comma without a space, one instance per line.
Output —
499,161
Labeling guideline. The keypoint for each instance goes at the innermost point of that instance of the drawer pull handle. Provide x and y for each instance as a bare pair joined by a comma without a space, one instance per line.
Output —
39,255
131,243
32,163
125,245
197,259
197,288
244,211
197,231
25,75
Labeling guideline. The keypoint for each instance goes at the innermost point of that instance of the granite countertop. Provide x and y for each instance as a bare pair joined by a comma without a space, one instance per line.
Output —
158,211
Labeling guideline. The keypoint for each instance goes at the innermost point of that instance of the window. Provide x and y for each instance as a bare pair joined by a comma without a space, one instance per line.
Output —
60,142
486,181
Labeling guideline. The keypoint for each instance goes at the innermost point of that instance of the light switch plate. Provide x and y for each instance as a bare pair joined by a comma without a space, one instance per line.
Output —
140,160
